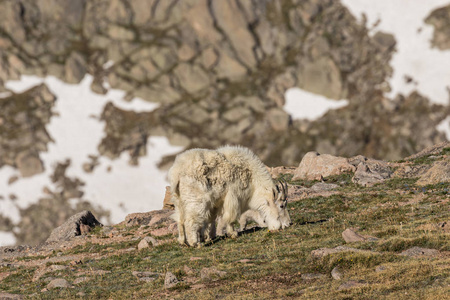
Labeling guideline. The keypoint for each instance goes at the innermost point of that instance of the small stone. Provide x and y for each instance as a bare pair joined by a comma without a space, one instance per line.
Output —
3,275
146,276
146,242
88,168
8,296
198,286
76,262
188,270
336,273
379,269
350,284
98,88
75,68
208,273
418,251
193,258
59,282
322,252
81,279
351,236
445,226
12,179
312,276
322,187
170,280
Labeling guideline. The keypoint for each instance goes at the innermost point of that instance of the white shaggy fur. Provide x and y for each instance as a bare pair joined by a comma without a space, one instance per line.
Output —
227,181
251,215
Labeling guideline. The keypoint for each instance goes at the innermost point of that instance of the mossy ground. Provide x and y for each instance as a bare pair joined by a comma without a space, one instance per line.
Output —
269,265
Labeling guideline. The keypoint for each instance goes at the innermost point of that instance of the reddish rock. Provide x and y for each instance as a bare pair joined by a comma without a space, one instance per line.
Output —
315,166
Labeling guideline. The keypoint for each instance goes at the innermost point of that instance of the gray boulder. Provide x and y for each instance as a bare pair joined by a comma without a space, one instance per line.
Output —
72,227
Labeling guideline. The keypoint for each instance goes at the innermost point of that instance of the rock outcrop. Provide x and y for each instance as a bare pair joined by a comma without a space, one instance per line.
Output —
73,227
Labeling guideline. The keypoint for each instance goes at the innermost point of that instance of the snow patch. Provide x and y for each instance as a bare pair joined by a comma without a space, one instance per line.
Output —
444,127
429,67
301,104
7,238
77,132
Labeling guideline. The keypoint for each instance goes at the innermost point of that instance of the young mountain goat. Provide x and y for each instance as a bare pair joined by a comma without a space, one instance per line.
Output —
225,182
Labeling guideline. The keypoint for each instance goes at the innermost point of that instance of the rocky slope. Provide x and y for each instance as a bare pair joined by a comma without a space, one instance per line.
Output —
219,69
368,227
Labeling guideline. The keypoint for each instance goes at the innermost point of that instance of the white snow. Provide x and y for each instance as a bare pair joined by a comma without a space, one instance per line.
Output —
301,104
77,132
7,238
429,67
444,127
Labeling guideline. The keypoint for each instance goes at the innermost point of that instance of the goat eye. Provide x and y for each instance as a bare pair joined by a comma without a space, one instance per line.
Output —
281,206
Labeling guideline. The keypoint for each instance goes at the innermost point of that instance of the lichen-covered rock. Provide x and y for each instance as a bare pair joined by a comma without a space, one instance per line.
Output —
371,171
170,280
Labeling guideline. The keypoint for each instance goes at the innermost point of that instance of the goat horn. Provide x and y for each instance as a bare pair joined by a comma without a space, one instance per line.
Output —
285,187
282,186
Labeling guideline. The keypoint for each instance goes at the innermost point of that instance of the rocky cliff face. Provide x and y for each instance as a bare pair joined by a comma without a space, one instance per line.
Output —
219,69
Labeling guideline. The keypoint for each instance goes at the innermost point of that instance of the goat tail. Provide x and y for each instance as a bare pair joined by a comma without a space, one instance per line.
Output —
179,214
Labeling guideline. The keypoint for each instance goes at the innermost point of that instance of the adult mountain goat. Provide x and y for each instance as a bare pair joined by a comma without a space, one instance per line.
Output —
206,184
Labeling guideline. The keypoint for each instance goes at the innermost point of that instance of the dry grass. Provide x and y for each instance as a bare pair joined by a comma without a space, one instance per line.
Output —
269,265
